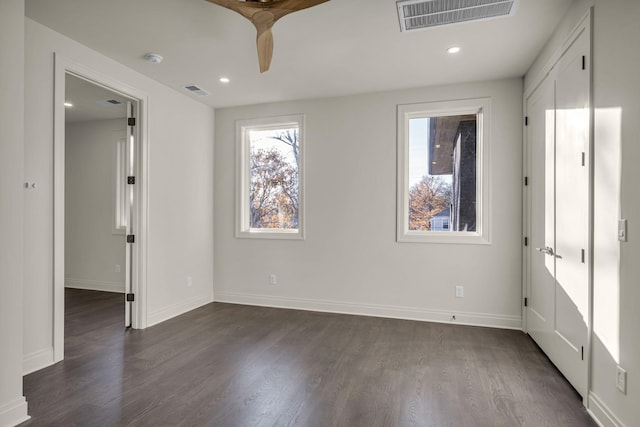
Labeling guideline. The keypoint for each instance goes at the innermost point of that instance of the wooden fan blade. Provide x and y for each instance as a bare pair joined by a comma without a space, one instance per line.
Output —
285,7
263,21
263,14
265,49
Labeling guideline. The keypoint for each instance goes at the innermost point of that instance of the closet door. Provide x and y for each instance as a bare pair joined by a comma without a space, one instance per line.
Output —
558,148
572,209
541,153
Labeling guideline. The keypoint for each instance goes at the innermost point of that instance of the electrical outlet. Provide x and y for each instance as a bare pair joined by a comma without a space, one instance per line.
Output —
117,268
621,379
189,281
273,279
459,291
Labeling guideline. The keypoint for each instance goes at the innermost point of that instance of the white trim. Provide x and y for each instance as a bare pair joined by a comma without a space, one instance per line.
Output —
62,66
177,309
601,413
373,310
479,106
14,412
242,177
37,360
94,285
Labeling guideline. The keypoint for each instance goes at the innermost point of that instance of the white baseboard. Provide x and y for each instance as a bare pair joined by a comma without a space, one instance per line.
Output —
601,413
177,309
394,312
37,360
14,412
94,285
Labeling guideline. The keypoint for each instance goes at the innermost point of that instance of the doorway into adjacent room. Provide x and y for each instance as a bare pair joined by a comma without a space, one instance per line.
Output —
98,160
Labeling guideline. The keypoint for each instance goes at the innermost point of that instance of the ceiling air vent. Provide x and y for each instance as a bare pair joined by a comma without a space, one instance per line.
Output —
419,14
109,102
196,90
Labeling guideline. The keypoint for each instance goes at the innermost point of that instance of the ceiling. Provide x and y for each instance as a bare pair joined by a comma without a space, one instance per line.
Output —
340,47
89,102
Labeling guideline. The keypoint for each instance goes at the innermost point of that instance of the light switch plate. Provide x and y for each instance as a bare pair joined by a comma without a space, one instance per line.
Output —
622,230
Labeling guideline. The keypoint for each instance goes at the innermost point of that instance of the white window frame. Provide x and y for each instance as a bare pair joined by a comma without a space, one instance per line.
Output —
479,106
119,186
243,128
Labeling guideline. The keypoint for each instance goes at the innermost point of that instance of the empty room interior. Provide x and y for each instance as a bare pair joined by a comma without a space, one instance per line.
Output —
320,213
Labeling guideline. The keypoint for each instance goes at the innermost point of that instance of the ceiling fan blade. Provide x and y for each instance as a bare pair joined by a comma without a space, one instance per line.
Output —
263,21
285,7
265,49
263,14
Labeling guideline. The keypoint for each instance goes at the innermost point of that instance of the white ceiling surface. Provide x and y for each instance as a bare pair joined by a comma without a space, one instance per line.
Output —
89,102
340,47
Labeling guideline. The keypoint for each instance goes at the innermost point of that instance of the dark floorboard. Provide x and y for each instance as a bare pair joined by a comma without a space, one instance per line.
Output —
233,365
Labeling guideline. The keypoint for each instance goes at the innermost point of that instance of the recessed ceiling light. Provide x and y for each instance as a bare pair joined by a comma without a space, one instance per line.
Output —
154,58
454,49
224,80
68,104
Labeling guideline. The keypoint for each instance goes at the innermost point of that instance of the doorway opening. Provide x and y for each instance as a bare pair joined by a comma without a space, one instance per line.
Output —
99,227
96,200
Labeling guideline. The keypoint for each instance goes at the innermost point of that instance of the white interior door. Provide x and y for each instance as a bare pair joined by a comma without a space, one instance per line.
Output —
558,148
130,171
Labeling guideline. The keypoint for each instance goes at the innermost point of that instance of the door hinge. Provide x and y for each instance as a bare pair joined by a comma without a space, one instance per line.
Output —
131,180
526,301
526,180
526,120
131,238
526,241
582,255
131,121
130,298
583,158
584,62
582,352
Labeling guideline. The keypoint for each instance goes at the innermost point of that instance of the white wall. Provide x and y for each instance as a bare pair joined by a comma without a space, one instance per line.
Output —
92,247
13,407
616,97
180,190
350,261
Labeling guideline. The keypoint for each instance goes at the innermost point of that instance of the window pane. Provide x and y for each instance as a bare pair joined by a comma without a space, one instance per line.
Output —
274,178
442,173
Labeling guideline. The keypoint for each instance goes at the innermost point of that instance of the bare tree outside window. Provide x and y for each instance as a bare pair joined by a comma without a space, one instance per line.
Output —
274,159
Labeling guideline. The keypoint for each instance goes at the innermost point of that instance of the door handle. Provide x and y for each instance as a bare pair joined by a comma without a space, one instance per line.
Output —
546,250
549,251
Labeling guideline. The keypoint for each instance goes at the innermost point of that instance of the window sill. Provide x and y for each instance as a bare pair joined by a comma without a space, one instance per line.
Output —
459,238
270,234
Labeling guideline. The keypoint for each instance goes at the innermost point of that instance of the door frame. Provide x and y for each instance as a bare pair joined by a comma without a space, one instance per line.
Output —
62,67
585,25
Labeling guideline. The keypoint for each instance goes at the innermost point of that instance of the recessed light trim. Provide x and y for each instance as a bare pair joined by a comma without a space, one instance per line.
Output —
454,49
224,79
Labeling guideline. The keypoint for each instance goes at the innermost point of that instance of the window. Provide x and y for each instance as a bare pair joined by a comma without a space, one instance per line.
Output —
270,183
119,193
443,189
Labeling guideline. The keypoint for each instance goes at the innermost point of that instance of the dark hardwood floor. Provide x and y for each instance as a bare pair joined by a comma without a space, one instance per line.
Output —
233,365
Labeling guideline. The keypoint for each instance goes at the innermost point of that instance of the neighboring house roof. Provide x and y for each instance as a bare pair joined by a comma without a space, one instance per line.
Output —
446,213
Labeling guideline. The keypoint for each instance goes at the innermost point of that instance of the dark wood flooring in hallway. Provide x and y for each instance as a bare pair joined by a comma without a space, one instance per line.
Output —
233,365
